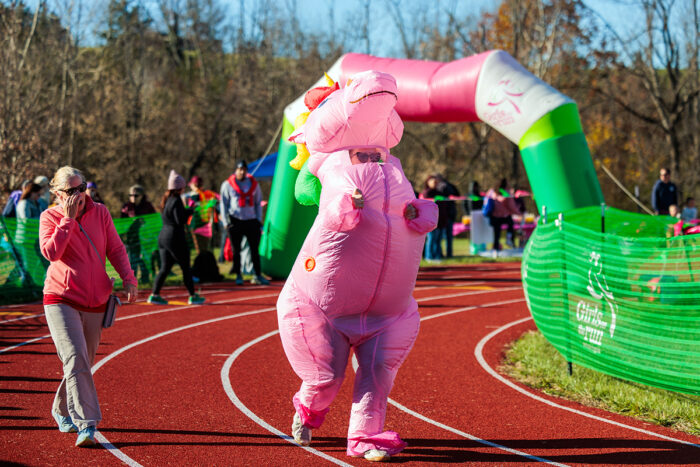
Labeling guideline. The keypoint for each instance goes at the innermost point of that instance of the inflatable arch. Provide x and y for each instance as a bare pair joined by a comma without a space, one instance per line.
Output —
490,87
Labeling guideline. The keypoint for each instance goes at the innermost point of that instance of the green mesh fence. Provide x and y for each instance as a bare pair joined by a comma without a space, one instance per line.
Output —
625,302
23,268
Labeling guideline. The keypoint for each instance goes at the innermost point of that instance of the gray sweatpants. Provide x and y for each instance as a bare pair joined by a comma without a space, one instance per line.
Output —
76,335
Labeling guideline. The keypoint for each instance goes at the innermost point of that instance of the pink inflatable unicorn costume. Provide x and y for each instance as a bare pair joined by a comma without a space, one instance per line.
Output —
351,285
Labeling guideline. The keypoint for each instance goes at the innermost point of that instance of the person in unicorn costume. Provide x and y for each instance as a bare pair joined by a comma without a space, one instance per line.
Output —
352,282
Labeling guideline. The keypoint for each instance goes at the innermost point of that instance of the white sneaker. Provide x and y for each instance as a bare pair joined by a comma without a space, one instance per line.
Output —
377,455
301,433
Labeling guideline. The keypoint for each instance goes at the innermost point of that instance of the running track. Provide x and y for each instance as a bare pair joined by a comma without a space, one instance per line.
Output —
210,385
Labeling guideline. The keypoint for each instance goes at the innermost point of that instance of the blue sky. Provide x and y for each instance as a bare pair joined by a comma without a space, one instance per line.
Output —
315,15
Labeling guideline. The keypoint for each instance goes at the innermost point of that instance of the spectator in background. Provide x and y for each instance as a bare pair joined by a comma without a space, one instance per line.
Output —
446,189
138,204
433,250
28,205
44,199
172,241
10,209
479,230
504,207
93,193
664,193
690,212
27,234
241,214
203,204
475,200
673,211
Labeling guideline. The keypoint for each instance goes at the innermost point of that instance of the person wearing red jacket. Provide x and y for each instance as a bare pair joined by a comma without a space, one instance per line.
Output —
77,236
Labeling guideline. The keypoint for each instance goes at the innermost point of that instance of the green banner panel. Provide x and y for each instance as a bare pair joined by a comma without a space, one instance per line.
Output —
23,267
623,302
561,173
286,222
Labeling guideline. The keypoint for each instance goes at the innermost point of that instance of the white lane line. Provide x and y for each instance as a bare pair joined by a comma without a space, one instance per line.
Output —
115,451
471,437
101,438
7,349
478,352
20,319
441,286
185,307
226,381
464,294
208,292
225,370
149,313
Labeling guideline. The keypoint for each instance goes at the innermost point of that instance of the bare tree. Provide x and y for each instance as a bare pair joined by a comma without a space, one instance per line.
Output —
663,59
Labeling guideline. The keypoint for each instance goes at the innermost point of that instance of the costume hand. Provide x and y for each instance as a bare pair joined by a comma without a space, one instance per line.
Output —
73,205
131,292
358,201
410,212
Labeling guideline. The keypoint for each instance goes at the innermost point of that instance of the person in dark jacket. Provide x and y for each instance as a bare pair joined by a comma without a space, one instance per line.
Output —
13,199
664,193
138,204
448,190
172,241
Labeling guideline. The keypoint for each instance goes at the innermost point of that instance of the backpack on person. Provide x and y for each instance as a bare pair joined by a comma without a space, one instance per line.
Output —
205,268
487,208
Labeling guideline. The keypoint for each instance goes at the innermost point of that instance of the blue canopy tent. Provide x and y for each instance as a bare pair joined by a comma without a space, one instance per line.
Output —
263,168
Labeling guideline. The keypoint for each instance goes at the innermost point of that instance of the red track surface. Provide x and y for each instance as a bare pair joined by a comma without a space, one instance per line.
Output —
179,387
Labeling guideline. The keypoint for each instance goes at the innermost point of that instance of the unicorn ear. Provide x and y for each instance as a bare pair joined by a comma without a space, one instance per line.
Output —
394,129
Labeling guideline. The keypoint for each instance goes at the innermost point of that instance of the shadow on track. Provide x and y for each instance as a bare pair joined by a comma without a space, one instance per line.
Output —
627,451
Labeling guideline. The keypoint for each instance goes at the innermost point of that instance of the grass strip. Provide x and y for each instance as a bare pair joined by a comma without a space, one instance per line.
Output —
533,361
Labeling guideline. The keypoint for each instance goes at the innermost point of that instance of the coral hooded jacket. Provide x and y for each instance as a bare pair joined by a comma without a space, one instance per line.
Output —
76,274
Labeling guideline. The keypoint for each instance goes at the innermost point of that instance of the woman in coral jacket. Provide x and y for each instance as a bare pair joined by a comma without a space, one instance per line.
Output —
76,292
351,285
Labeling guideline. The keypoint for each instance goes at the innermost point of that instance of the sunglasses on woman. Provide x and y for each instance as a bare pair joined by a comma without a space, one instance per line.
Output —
368,156
76,189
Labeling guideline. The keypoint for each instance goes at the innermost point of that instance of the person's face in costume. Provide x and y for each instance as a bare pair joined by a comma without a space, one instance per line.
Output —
364,155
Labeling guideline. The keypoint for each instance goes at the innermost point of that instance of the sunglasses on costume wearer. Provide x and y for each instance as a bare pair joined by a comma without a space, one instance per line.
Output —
368,156
76,189
132,195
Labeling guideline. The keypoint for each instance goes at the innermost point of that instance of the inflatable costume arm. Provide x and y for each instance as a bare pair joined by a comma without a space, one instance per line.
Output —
427,217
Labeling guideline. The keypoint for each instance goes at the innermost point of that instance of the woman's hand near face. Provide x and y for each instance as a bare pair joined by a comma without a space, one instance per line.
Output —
73,205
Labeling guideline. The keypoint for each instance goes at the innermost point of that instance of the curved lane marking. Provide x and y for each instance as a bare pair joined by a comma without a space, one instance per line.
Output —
226,381
104,441
478,352
239,299
148,313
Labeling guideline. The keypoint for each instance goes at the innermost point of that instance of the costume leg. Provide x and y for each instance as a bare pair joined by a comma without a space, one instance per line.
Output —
317,352
379,359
